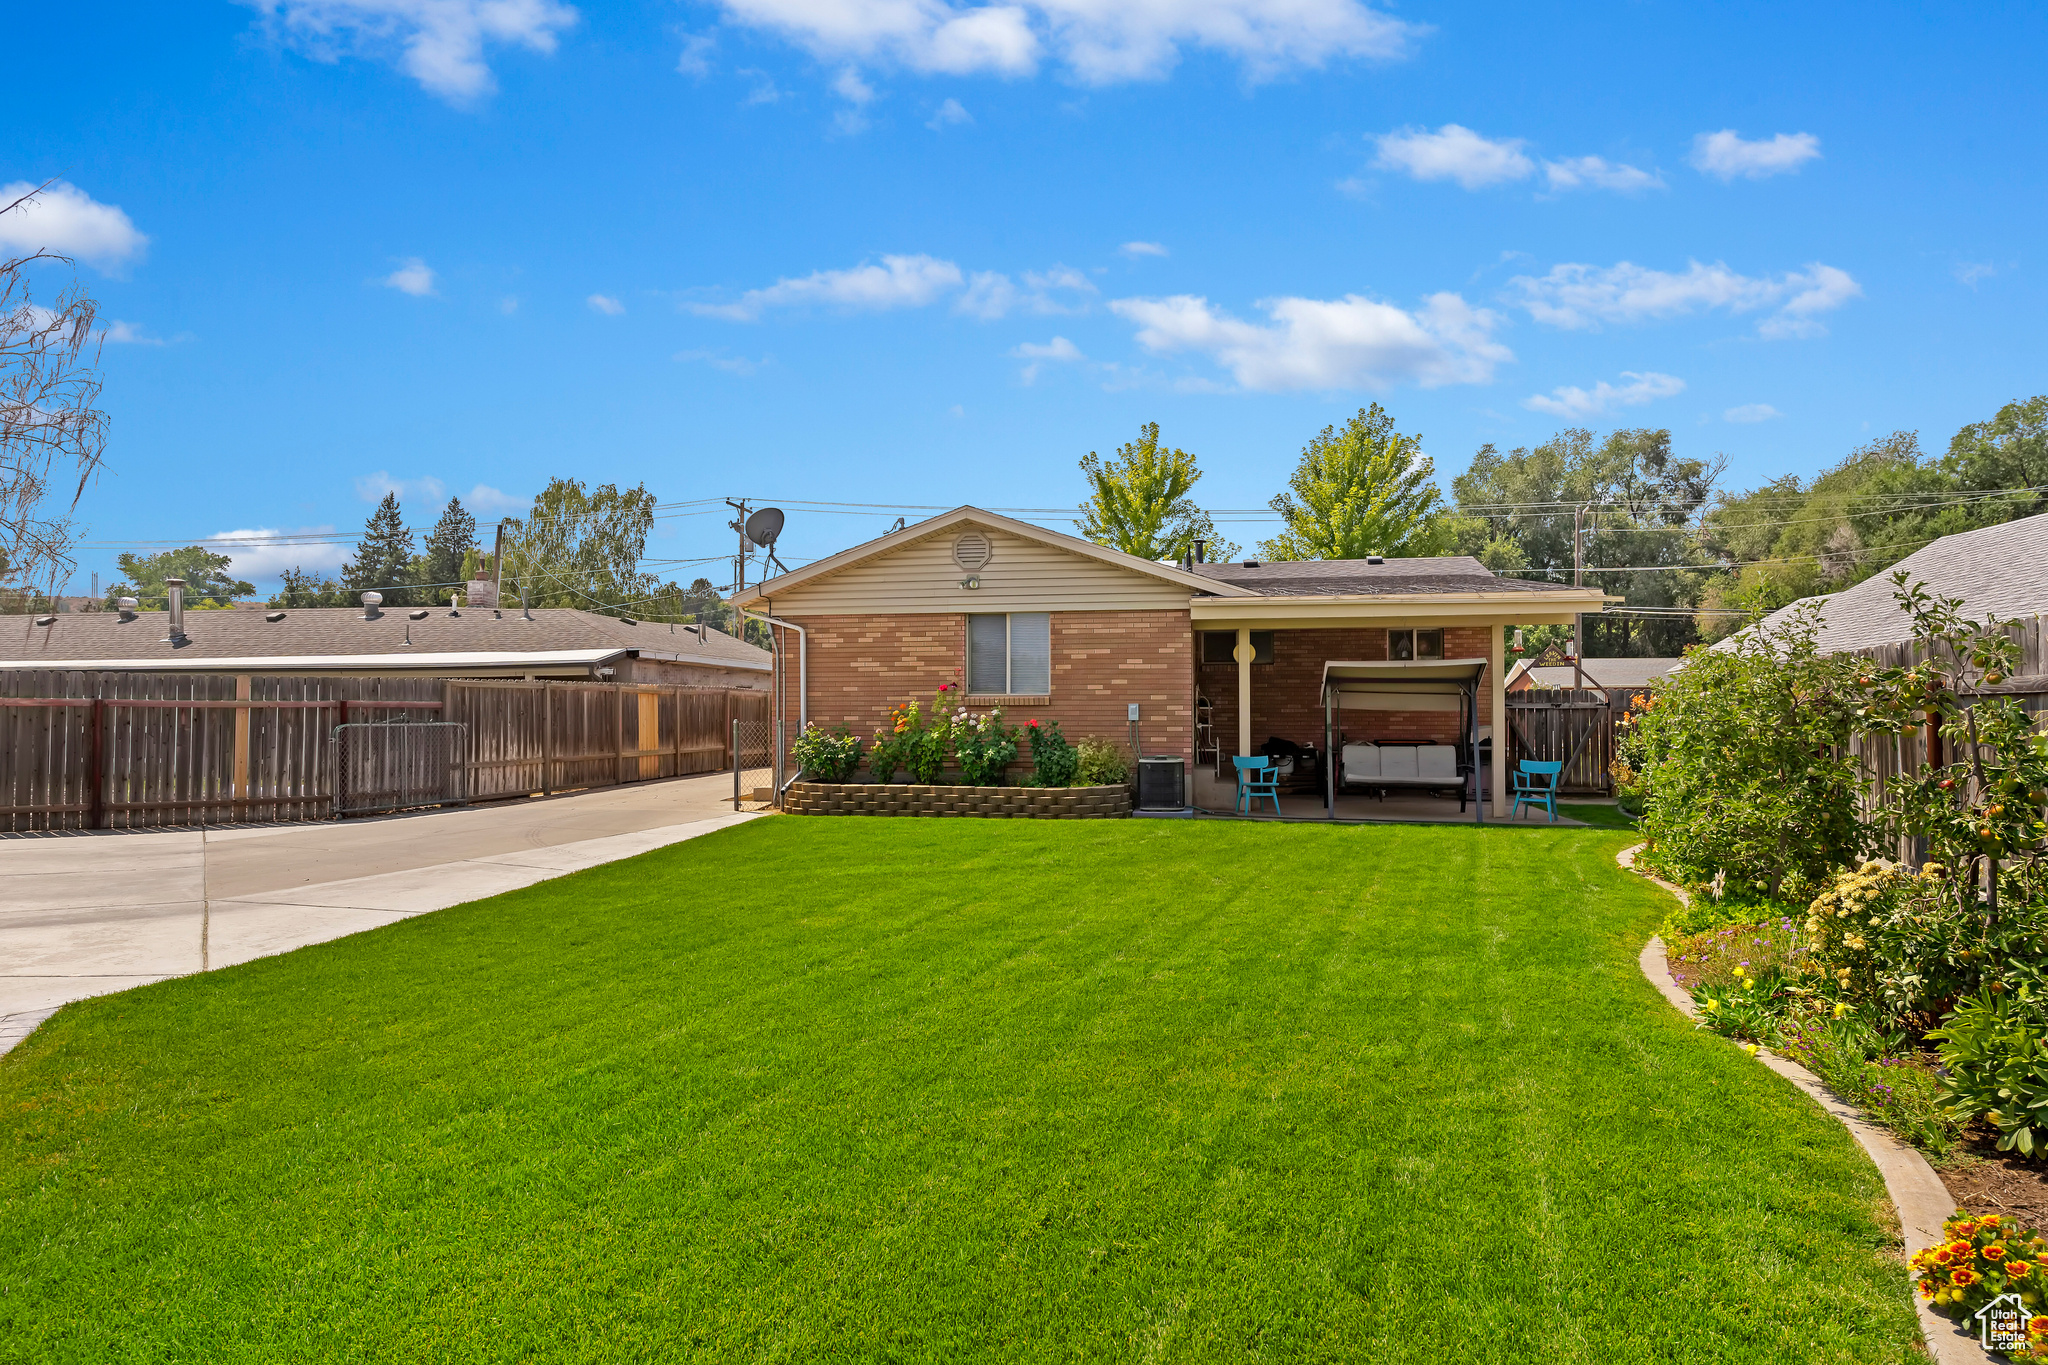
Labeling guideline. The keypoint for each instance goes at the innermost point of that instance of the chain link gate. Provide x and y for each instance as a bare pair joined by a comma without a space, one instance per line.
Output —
398,765
753,764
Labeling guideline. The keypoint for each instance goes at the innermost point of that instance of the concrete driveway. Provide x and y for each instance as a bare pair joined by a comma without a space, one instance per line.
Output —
86,914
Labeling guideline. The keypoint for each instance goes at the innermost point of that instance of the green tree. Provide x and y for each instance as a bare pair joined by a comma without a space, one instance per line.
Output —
384,557
1139,503
448,548
207,582
1363,489
302,589
582,548
1634,504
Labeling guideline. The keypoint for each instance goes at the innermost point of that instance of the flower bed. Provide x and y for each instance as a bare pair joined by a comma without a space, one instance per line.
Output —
1012,803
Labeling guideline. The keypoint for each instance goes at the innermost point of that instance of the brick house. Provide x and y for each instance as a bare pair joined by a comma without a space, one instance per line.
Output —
1218,659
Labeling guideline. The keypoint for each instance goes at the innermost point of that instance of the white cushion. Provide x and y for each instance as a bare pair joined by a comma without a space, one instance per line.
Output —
1361,760
1437,761
1397,761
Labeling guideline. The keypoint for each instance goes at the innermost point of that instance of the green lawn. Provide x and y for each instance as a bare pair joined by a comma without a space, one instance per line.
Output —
896,1090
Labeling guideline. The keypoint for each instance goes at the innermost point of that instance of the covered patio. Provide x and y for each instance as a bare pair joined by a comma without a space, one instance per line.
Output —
1415,672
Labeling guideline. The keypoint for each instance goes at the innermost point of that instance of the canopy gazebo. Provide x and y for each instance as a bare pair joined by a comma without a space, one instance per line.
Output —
1417,685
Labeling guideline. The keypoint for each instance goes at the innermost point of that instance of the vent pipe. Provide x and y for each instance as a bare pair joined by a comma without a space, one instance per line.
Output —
176,588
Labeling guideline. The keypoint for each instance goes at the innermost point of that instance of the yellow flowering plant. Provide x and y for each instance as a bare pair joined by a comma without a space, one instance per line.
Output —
1981,1258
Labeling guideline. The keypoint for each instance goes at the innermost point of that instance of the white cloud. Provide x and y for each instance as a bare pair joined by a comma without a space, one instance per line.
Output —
898,282
764,90
1726,155
128,334
412,277
696,56
509,305
1583,172
68,221
1751,412
439,43
948,114
1098,41
1584,296
850,87
1455,153
251,558
373,487
1577,404
991,294
606,304
1969,272
484,498
718,360
1136,249
1057,351
1348,343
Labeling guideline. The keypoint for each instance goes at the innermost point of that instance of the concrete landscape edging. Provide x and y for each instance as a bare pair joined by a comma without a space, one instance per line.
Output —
1014,803
1916,1192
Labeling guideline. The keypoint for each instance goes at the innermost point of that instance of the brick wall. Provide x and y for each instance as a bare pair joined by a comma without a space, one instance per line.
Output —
1287,693
860,666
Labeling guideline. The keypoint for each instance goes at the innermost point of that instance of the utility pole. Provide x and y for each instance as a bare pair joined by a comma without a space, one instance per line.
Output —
1578,619
739,562
498,568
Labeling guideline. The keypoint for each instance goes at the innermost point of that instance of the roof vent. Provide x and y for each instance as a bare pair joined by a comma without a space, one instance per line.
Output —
972,551
627,621
274,617
1375,559
126,606
1251,564
372,601
46,620
419,615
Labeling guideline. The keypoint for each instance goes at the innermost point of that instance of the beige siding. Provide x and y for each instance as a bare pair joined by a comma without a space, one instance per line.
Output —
1021,575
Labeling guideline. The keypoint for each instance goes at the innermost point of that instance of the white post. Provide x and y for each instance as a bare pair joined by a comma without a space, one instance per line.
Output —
1243,654
1497,696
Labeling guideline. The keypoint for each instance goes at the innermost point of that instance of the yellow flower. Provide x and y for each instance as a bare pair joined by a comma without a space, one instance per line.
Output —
1750,1048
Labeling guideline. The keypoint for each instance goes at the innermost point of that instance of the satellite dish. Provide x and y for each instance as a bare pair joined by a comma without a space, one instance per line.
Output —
764,526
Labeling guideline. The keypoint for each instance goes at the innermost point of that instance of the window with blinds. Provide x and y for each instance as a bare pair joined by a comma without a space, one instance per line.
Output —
1009,654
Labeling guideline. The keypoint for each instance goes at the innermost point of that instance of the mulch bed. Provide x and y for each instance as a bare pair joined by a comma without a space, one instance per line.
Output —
1983,1179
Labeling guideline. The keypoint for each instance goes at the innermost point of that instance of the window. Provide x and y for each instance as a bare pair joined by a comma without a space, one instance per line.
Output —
1220,646
1415,644
1009,654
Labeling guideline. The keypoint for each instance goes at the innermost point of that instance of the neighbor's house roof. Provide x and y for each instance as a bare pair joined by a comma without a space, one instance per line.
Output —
1598,673
1319,586
342,639
1997,571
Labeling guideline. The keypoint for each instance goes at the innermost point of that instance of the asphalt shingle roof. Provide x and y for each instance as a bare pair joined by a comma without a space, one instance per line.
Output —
1997,571
1360,578
1604,672
342,631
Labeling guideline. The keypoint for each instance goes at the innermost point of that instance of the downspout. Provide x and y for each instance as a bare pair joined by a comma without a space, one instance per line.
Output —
803,684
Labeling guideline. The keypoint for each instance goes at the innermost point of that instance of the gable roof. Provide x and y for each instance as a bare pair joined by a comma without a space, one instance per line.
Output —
1997,571
1630,672
932,526
1363,578
308,635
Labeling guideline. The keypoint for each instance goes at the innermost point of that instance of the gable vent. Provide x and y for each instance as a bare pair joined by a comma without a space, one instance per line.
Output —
972,551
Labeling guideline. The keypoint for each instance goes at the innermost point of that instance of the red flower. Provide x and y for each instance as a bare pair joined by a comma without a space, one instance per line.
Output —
1033,722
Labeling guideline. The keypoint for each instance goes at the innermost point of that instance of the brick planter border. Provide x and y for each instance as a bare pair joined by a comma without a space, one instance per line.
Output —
999,803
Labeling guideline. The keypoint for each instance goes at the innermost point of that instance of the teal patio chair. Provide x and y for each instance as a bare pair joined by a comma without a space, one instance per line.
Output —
1257,777
1536,785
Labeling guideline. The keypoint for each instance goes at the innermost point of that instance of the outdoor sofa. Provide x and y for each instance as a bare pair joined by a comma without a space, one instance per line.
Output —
1383,767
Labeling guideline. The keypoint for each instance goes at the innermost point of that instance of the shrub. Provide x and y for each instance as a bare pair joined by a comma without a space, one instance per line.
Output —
911,739
1741,762
1983,1258
826,756
1718,957
1102,763
1054,762
1995,1050
984,746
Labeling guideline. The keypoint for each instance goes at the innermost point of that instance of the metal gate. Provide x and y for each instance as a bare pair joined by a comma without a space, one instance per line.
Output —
755,775
398,765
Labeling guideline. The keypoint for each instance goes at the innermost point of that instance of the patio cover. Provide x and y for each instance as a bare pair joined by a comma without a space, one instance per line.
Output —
1409,678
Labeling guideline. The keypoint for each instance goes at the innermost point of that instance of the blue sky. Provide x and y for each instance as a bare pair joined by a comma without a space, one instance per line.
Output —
896,251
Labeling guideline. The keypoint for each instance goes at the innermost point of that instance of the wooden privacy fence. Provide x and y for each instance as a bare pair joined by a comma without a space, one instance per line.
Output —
1575,726
132,750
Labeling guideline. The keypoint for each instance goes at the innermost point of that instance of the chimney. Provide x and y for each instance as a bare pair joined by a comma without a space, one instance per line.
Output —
176,587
